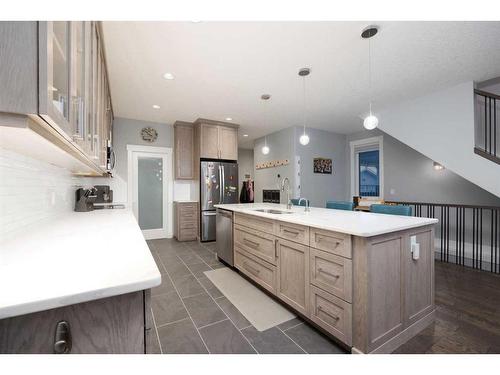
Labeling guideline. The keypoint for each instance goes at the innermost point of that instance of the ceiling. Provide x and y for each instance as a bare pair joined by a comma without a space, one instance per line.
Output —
222,68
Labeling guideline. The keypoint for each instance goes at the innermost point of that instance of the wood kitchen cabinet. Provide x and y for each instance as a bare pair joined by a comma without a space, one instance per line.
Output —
367,292
216,140
293,274
113,325
61,83
186,221
184,155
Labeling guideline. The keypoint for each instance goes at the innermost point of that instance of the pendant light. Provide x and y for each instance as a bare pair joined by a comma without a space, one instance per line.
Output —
304,72
371,121
265,148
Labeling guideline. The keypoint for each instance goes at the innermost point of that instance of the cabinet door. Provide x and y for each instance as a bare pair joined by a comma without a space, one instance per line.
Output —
80,82
95,69
54,74
114,325
184,152
419,277
293,274
209,141
228,143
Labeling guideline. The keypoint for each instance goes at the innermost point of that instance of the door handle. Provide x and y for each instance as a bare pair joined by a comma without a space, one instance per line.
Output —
209,213
62,340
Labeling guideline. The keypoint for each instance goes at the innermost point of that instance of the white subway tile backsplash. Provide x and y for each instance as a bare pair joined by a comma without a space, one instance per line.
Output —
32,190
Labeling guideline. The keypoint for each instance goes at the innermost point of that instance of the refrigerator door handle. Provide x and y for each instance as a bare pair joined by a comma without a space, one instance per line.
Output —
220,185
223,184
209,213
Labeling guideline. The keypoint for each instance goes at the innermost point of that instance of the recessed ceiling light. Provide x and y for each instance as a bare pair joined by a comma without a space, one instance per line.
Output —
245,135
168,76
156,106
229,119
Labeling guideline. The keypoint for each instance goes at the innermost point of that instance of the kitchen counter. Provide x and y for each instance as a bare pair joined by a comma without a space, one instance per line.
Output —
366,279
361,224
79,257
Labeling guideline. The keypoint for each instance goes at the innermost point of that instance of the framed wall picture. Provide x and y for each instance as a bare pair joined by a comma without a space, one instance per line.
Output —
322,165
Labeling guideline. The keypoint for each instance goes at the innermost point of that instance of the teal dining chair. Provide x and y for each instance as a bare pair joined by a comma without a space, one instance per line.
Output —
391,209
295,202
340,205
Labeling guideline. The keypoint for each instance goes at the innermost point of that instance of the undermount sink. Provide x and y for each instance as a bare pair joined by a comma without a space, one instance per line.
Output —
271,211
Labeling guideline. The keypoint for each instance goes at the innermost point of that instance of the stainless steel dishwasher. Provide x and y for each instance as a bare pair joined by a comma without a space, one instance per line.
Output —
224,236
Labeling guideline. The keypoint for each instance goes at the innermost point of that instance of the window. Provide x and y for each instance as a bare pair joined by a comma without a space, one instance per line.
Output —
368,174
367,168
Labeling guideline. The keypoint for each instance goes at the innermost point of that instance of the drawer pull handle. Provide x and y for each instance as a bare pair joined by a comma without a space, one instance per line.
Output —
328,273
295,233
62,340
321,238
251,269
334,317
251,243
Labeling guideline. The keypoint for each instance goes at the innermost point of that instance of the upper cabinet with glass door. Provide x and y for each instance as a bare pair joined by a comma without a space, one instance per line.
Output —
74,94
54,74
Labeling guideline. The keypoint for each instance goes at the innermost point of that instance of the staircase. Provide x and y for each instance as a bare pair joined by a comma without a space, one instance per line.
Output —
442,126
487,126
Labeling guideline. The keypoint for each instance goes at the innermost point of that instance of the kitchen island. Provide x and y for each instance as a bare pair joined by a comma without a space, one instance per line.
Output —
365,279
93,270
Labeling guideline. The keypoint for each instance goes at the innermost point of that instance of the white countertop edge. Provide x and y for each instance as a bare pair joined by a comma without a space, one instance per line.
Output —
92,295
294,220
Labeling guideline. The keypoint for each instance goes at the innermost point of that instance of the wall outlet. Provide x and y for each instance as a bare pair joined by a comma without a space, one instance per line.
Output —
415,248
392,191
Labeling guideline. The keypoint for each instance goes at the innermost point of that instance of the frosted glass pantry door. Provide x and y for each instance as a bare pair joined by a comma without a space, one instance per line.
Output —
150,193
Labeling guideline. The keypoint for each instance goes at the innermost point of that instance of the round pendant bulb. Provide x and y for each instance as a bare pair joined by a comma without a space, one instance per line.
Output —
304,139
265,150
370,122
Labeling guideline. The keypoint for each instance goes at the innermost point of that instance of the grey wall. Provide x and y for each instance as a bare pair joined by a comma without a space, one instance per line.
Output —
319,188
281,145
411,176
128,132
245,164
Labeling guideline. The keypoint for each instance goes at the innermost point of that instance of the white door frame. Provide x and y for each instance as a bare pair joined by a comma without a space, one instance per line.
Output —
373,141
168,188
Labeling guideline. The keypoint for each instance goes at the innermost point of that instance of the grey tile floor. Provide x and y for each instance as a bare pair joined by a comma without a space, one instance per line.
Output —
192,316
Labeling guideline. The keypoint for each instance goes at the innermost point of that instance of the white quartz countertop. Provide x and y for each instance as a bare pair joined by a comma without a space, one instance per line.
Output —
357,223
75,258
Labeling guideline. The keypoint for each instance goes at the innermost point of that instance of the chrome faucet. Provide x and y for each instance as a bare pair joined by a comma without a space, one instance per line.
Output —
288,201
307,208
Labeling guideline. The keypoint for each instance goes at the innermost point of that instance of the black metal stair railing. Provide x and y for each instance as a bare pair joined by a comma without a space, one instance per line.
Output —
467,235
487,126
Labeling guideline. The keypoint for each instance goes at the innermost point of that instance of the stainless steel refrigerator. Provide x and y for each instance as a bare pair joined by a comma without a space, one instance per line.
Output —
218,185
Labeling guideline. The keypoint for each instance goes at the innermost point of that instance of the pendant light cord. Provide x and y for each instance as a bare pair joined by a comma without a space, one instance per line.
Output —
370,73
304,102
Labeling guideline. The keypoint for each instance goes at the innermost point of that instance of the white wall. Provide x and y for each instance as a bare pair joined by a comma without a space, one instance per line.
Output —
31,191
441,126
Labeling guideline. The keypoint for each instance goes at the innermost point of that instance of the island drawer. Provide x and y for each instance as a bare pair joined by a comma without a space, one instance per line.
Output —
332,314
293,232
255,222
259,271
332,242
331,273
262,245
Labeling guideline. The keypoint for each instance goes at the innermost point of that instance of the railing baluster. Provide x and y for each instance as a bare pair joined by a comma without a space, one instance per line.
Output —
480,259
